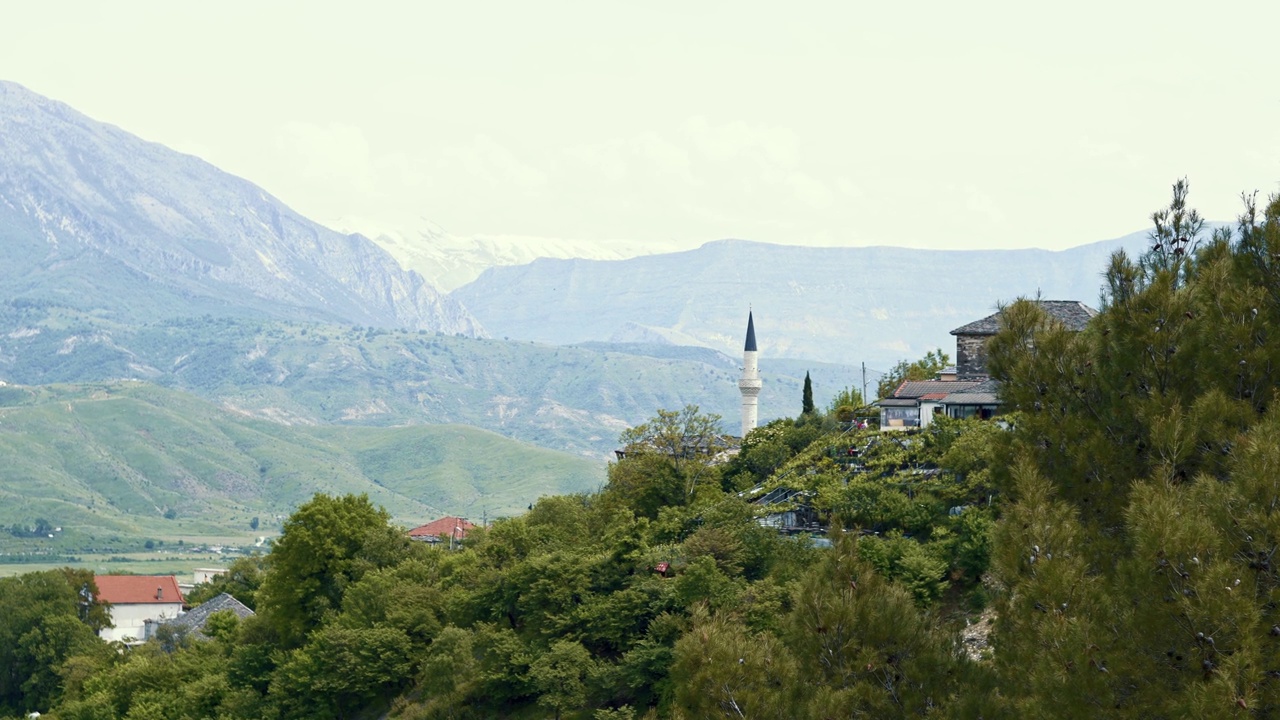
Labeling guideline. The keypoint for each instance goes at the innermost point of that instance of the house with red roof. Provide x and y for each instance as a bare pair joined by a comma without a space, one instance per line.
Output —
135,599
451,529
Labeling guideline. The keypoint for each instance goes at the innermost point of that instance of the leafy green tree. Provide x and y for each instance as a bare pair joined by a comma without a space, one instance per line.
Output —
864,647
405,597
448,676
847,405
766,449
646,483
343,670
684,438
666,459
42,624
559,676
327,545
925,368
241,581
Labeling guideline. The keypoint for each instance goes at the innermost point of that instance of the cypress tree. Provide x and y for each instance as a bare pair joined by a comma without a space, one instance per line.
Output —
807,408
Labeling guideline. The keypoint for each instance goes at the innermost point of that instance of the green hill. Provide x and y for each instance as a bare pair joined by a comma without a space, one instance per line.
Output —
114,461
575,399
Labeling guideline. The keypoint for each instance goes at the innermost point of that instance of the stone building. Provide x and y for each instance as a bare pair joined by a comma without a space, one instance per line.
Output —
971,339
966,390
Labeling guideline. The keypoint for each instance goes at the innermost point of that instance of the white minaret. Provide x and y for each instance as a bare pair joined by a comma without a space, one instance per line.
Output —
749,383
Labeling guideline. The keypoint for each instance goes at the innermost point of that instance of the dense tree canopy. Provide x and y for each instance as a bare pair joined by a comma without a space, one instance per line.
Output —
1138,551
1117,527
925,368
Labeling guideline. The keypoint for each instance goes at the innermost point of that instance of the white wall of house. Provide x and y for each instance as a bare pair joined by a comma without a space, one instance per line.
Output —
204,575
129,618
927,409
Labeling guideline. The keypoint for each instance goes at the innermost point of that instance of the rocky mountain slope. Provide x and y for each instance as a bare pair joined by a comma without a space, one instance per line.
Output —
843,305
94,218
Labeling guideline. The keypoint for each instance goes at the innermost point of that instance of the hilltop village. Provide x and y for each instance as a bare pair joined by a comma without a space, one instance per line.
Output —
1078,518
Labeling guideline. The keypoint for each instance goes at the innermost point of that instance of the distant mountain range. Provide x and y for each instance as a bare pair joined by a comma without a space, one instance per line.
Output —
94,218
449,261
146,272
839,305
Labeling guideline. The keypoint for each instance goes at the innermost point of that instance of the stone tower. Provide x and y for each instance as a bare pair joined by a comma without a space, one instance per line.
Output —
749,383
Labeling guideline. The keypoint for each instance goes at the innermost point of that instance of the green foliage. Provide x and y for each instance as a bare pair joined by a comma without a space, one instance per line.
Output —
241,581
925,368
559,675
327,545
666,459
807,399
848,405
647,483
43,622
681,437
343,670
852,645
766,449
1137,550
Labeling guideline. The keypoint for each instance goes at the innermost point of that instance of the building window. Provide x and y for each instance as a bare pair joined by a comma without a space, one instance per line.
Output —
900,417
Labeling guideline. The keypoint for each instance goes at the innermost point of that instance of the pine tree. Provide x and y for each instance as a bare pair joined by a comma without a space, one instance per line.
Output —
1136,551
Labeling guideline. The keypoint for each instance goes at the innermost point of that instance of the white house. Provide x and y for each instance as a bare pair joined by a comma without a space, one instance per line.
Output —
204,575
135,599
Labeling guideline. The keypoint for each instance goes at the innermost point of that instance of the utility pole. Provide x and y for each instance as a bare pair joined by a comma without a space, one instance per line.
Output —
864,383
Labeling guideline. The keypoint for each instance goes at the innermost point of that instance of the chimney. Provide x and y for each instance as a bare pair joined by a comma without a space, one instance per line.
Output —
159,593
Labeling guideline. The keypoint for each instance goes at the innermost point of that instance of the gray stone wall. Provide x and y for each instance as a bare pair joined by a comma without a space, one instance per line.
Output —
971,356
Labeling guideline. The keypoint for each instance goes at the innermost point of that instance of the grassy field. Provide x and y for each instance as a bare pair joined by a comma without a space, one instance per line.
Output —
182,565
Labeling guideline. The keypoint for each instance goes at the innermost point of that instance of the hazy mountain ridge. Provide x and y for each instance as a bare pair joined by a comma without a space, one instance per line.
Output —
90,214
843,305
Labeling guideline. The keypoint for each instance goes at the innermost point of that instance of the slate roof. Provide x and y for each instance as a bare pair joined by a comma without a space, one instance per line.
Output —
194,619
912,389
137,589
897,402
444,526
1071,313
751,334
983,393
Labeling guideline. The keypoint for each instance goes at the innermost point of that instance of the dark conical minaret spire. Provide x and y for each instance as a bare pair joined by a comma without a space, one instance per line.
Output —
749,383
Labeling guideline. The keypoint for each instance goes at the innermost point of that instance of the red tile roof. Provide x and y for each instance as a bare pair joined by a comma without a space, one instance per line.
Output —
446,526
133,589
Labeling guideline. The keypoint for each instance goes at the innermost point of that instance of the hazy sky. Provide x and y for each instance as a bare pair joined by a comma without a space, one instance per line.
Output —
940,124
